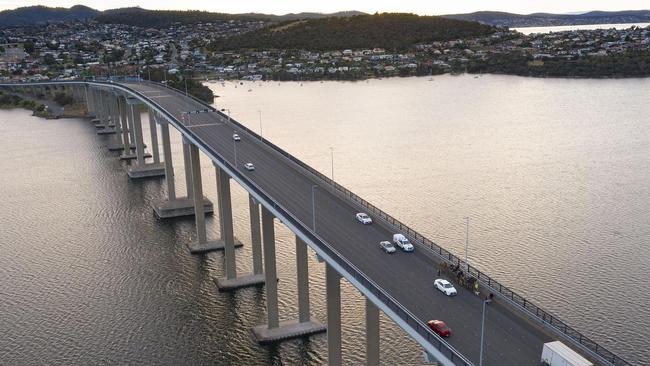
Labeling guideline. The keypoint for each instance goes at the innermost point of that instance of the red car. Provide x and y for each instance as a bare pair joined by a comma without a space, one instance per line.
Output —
439,327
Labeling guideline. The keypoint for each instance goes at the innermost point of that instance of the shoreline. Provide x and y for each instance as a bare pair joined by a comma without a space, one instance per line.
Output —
208,77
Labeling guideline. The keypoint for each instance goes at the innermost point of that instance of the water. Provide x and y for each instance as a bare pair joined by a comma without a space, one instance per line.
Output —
562,28
552,172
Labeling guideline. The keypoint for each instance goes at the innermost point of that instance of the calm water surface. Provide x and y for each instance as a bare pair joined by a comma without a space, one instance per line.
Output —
562,28
552,173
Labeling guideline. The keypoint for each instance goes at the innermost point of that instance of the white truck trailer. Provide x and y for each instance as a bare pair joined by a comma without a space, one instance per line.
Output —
558,354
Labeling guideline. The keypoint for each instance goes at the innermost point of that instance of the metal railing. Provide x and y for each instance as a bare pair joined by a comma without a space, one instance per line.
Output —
519,301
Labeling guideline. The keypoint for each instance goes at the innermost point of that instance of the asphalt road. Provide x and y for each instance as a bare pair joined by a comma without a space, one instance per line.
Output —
407,277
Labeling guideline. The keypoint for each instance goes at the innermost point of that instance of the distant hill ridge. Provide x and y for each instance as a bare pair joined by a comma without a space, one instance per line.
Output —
395,31
137,16
33,15
548,19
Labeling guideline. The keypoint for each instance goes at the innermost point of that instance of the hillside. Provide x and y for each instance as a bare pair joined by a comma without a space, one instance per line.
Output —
305,15
163,18
137,16
546,19
32,15
388,30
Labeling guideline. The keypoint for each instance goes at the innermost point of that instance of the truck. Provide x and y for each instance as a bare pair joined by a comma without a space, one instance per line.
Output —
558,354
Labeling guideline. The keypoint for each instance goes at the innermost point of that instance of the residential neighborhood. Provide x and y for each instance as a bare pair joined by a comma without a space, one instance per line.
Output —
91,49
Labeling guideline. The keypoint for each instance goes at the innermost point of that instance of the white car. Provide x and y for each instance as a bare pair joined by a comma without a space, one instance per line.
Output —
363,218
387,246
401,241
249,166
236,137
444,286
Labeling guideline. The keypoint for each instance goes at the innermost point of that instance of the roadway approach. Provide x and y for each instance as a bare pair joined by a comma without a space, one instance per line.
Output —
408,277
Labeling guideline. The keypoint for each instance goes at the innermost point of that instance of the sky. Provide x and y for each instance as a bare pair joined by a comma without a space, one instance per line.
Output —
422,7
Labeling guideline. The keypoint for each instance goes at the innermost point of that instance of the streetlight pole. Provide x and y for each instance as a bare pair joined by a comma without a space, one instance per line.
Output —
480,357
185,85
234,146
466,241
313,208
261,138
332,155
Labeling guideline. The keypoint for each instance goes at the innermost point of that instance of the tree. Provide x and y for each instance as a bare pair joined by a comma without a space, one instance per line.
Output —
29,46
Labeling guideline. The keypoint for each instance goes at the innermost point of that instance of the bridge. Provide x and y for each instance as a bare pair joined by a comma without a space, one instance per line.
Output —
321,213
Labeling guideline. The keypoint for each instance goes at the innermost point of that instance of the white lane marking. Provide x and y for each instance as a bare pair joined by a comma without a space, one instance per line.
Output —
206,124
159,96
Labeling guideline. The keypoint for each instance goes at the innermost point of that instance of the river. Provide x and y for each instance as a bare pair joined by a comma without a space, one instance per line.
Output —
563,28
553,174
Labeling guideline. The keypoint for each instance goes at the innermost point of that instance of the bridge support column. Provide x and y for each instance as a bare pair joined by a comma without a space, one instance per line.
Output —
98,108
103,127
141,169
88,100
232,281
154,136
92,95
201,245
127,141
175,206
372,334
188,167
117,120
107,125
275,330
256,240
333,291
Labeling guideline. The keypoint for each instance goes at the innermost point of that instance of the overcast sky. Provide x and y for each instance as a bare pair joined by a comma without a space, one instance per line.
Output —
423,7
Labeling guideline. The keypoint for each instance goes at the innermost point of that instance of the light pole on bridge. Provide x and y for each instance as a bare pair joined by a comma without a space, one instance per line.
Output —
226,110
261,138
466,242
480,356
332,155
234,147
313,207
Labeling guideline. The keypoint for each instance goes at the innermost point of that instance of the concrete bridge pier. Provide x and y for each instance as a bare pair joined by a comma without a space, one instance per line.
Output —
275,330
95,103
89,101
333,291
201,244
122,107
117,120
372,334
103,127
141,169
176,206
107,125
256,238
232,281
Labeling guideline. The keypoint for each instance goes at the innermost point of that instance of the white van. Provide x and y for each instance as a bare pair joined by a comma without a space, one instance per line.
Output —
558,354
402,242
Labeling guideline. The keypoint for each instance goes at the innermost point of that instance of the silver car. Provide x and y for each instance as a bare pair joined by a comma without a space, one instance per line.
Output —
387,246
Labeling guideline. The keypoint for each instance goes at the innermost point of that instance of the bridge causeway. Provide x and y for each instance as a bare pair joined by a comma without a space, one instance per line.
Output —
320,212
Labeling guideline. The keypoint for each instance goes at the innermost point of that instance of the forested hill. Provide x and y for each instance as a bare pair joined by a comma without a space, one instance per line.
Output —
31,15
163,18
388,30
546,19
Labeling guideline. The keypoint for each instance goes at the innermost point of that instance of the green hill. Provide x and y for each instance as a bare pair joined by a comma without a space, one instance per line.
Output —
31,15
388,30
164,18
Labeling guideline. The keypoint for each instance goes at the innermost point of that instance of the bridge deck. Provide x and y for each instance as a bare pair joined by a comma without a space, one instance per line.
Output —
408,277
